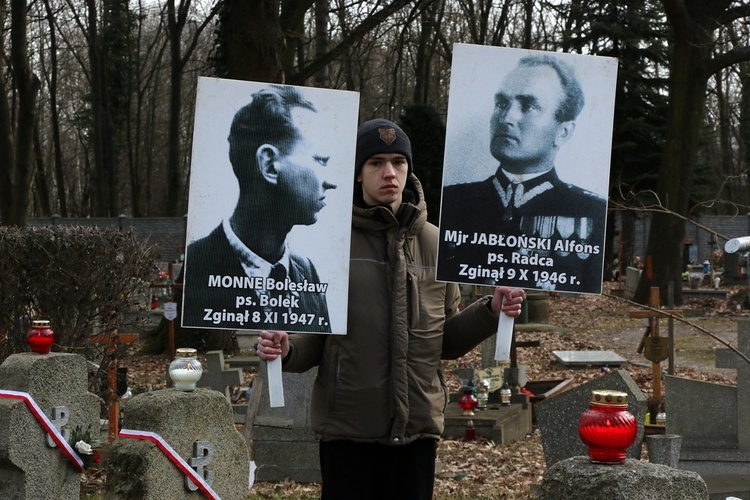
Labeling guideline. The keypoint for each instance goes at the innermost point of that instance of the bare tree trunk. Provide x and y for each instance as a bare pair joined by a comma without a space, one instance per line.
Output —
527,23
99,182
62,201
291,21
177,19
41,185
175,186
693,23
140,157
744,132
7,153
27,85
689,81
348,66
429,25
726,165
321,41
251,39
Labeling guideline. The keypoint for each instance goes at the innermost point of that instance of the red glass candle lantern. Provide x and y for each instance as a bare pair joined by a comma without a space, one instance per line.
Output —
468,401
607,427
40,336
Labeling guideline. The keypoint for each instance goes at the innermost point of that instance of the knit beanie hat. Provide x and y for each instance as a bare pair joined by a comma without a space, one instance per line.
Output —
381,136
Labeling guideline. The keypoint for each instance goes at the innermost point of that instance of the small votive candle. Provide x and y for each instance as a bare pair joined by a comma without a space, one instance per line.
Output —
185,370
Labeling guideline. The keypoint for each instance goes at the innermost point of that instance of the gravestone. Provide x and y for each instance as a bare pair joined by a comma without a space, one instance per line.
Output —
713,420
282,444
29,466
199,427
632,278
578,478
558,417
701,424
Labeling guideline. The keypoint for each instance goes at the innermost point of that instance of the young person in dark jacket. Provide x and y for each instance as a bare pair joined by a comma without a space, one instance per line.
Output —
379,396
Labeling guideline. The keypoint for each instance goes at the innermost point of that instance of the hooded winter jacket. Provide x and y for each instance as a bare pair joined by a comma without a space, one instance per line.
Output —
382,381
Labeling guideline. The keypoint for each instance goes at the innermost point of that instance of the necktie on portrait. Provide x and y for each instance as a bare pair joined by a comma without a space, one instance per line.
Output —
511,207
278,272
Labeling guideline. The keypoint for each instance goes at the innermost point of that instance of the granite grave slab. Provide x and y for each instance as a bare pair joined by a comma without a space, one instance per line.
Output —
589,358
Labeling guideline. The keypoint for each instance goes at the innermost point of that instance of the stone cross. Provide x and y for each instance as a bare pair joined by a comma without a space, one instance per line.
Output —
726,358
219,378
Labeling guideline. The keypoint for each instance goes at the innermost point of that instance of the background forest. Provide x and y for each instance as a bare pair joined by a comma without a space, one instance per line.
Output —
97,96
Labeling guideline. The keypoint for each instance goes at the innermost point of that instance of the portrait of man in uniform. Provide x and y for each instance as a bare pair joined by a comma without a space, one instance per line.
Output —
245,273
523,224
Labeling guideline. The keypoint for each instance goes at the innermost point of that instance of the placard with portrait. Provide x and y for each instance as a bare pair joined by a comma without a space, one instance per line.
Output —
269,213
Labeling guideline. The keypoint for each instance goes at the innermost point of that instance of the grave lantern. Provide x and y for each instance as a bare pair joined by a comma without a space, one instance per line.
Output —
483,394
607,427
40,336
468,401
661,418
185,370
505,394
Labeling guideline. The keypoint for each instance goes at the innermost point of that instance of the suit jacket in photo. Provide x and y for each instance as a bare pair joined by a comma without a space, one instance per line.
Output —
549,234
296,311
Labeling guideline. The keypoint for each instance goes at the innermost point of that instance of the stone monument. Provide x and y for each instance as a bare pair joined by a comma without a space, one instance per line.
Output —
29,466
199,427
577,478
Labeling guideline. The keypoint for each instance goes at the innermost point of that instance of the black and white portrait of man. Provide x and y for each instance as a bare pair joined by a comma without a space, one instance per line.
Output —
525,180
268,222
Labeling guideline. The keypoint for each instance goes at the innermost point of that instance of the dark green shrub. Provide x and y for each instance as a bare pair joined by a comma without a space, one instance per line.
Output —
82,279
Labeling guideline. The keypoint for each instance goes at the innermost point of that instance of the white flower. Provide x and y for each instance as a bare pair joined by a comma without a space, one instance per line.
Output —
83,448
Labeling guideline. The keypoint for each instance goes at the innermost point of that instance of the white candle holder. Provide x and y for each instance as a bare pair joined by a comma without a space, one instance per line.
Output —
185,370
